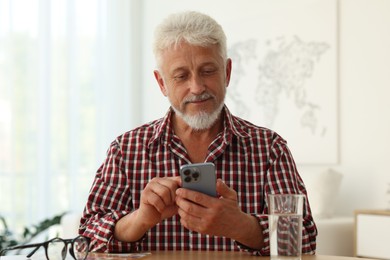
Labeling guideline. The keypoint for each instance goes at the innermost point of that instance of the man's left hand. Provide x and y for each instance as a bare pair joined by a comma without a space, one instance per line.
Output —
209,215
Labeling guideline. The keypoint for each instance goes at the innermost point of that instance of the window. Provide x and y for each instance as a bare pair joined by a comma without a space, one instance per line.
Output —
66,91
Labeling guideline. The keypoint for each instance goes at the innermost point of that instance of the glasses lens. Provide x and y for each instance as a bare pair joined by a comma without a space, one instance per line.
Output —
56,250
80,248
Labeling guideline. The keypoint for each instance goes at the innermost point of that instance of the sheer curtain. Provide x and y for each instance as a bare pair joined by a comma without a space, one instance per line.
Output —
69,84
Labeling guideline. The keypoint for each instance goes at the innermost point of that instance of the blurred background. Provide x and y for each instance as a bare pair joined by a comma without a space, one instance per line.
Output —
76,74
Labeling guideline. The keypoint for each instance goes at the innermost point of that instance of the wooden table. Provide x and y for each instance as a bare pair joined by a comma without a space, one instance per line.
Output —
211,255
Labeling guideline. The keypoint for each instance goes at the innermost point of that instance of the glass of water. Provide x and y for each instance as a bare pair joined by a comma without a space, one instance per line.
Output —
285,226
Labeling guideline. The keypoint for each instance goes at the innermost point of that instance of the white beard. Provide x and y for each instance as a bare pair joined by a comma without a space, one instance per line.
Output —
202,120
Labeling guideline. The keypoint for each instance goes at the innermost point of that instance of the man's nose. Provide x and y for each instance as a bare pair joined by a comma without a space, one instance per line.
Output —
197,85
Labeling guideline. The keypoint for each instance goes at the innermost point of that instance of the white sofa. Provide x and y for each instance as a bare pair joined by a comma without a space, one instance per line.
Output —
335,234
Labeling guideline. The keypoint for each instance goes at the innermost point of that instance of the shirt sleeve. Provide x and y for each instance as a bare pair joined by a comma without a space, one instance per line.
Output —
263,221
283,178
108,201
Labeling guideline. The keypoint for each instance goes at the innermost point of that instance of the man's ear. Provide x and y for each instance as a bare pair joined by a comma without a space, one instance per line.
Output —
228,71
160,82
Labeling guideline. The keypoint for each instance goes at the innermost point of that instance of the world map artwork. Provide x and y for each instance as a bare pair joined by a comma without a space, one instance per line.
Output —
275,85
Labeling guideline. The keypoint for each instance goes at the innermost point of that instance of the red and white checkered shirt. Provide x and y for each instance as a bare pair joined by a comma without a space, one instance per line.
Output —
252,160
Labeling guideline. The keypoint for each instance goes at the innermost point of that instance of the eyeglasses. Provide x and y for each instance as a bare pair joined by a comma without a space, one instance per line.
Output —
57,248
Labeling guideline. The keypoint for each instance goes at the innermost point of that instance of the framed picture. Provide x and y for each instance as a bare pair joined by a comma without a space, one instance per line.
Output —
285,73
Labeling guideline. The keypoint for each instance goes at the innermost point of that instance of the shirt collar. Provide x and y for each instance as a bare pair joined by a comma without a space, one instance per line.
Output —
233,124
164,131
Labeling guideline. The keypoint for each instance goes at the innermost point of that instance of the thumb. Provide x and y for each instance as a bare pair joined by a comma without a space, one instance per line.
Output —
225,191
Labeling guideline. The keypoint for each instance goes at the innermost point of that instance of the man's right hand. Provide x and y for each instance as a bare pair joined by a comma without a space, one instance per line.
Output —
158,200
157,203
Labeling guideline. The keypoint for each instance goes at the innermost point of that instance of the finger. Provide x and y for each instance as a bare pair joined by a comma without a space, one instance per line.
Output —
157,195
189,221
225,191
190,213
154,200
176,179
194,196
190,207
165,188
169,212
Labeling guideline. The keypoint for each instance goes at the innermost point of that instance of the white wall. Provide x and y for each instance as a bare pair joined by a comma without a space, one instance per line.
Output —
364,90
364,120
364,103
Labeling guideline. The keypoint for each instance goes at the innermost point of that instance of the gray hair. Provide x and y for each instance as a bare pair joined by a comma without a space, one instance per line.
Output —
192,27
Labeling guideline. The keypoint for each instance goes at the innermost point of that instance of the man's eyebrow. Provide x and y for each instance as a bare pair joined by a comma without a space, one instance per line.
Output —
178,69
185,68
208,63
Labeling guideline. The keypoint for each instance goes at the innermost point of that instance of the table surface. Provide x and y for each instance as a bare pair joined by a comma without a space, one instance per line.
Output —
208,255
186,255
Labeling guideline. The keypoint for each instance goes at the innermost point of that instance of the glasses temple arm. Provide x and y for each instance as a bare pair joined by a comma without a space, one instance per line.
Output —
3,251
33,252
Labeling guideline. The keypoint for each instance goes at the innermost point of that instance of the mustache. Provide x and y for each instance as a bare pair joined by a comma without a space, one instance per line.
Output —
195,98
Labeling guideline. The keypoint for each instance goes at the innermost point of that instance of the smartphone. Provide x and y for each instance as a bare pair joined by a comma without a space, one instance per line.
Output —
199,177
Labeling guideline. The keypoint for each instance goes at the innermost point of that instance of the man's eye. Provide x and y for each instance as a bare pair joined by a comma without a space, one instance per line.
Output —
180,77
208,72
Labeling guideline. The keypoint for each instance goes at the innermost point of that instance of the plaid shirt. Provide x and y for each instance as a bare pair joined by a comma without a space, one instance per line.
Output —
252,160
